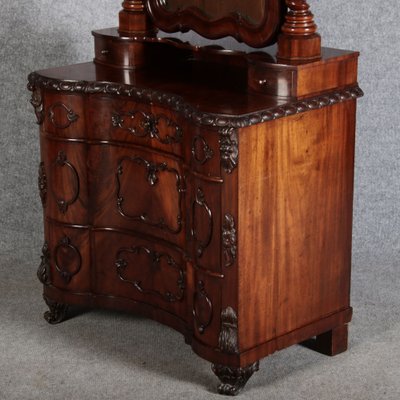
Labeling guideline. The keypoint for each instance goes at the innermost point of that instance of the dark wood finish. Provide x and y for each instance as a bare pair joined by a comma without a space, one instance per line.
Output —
299,41
330,343
210,191
134,21
231,22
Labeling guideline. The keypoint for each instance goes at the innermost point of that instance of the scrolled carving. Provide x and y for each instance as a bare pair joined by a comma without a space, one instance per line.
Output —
42,184
43,272
155,257
66,274
233,379
57,312
229,240
63,204
178,104
228,142
70,116
208,152
202,308
37,103
200,201
228,336
152,178
148,125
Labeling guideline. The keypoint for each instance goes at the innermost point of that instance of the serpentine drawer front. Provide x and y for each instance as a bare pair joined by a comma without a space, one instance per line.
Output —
208,190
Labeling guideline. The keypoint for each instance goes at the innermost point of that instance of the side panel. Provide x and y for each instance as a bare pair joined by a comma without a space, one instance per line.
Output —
295,221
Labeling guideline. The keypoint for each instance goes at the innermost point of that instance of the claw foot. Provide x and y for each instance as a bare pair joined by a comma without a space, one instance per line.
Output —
233,379
57,311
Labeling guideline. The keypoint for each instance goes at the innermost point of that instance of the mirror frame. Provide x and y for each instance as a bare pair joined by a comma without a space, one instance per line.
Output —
192,18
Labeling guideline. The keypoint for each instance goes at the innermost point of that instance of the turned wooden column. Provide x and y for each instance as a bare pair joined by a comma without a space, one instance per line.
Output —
134,20
299,41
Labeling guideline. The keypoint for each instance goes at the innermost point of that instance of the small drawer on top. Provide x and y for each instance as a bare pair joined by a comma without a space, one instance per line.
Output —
123,120
64,115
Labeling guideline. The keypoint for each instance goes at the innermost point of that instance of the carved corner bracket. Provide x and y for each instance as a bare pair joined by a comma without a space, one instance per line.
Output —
37,103
42,184
43,272
228,142
229,240
228,336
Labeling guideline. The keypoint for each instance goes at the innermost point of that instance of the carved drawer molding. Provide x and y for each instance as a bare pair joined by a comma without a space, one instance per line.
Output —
62,162
155,259
205,154
145,124
201,203
67,274
202,308
68,118
152,170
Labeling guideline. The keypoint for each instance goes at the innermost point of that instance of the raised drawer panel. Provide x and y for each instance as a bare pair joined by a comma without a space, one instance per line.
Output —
137,123
64,115
67,258
63,181
204,221
129,266
202,150
139,191
206,308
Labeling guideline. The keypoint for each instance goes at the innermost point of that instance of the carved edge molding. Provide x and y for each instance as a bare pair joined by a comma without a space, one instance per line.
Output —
228,336
44,267
179,105
229,240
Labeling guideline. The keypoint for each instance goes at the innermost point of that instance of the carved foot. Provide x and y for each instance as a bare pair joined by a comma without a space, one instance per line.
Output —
57,311
330,343
233,379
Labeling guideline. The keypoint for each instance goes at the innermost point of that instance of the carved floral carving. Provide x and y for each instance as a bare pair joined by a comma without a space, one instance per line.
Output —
228,336
229,240
43,272
42,184
148,125
228,142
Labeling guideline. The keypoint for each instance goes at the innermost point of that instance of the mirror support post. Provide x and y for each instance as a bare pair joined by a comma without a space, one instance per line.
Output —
134,20
299,41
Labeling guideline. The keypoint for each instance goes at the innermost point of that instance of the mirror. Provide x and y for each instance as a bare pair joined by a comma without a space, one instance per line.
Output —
255,22
213,10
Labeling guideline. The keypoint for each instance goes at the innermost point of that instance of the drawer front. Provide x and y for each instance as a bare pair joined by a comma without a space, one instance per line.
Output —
64,115
202,151
63,181
206,306
141,124
129,266
138,190
66,258
204,224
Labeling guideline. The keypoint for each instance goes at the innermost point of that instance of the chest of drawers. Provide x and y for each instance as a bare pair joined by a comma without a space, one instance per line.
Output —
221,213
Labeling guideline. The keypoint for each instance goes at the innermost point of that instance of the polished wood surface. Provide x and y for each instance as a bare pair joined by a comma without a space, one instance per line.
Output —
208,190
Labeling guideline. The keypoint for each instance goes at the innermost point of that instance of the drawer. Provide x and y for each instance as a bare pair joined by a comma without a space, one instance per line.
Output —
66,258
202,151
63,181
206,309
141,124
64,115
141,270
204,224
138,190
